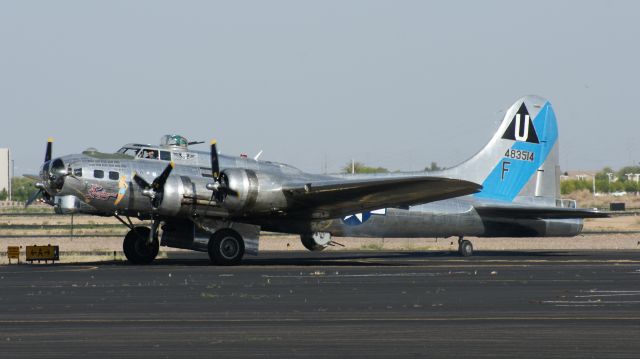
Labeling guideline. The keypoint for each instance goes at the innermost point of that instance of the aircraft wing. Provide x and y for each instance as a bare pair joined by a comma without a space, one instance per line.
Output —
340,197
538,212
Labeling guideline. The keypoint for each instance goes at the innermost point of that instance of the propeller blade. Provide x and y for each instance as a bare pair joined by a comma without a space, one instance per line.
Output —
141,181
228,191
224,182
158,183
33,197
47,155
215,165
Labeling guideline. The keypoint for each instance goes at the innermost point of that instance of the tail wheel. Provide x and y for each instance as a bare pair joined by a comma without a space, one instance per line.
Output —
226,247
466,248
137,248
309,243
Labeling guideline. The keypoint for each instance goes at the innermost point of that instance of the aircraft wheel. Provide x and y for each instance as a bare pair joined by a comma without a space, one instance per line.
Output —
137,248
309,243
226,247
466,248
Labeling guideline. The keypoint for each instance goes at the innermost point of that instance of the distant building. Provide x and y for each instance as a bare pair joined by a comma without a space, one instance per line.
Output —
578,175
5,169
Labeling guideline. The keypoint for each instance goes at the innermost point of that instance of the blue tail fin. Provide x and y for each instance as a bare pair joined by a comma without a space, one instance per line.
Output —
520,163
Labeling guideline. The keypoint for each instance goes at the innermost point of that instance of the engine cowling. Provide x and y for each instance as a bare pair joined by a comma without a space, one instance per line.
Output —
252,192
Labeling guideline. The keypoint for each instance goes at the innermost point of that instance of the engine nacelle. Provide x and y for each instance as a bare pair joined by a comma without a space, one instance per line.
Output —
252,192
174,190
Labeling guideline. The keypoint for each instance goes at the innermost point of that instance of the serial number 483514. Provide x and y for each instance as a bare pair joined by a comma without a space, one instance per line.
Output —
520,155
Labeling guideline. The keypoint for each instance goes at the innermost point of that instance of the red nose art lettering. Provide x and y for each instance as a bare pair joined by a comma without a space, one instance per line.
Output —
99,193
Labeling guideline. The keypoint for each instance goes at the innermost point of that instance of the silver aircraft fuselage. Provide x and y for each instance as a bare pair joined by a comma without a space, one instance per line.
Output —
186,196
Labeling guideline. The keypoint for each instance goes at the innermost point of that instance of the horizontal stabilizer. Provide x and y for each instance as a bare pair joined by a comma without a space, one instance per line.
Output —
521,212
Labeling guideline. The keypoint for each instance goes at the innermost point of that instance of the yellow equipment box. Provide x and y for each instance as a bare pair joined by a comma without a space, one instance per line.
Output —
43,253
13,252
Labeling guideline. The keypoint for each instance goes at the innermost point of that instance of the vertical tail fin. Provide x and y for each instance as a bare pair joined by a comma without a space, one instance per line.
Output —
520,163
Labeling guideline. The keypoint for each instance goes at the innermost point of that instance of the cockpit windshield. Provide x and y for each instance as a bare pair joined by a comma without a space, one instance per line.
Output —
129,151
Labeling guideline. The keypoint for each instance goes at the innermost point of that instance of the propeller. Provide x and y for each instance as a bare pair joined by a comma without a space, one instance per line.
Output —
155,189
45,175
34,196
220,185
47,154
155,192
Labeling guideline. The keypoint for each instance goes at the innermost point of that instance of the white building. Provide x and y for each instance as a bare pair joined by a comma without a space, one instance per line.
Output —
5,169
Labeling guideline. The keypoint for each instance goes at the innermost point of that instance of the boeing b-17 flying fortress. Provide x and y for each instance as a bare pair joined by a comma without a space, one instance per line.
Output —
220,204
408,197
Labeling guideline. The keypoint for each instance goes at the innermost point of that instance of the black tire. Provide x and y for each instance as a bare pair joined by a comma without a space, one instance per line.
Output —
137,248
226,247
310,244
466,248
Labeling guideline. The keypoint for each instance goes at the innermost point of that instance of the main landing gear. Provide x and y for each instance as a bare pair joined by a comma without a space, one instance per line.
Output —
226,247
465,248
139,247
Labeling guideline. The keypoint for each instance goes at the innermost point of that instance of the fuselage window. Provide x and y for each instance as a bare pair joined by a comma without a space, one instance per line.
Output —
165,155
114,175
150,154
77,172
98,174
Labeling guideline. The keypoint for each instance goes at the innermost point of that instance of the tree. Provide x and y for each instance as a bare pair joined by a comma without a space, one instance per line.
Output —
434,167
604,174
568,186
359,167
22,188
3,194
622,173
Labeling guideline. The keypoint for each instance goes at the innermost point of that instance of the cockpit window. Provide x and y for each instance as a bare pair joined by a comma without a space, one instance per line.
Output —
150,154
165,155
129,151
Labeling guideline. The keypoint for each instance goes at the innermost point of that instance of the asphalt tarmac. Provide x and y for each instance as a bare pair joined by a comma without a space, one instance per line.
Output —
332,305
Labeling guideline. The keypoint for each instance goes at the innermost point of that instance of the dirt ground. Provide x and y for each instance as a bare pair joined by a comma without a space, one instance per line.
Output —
617,233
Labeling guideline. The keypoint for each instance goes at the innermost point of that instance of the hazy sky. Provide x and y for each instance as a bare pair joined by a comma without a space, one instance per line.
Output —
390,83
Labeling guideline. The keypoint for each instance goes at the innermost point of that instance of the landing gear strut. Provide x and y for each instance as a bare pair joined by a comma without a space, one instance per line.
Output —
465,248
226,247
138,247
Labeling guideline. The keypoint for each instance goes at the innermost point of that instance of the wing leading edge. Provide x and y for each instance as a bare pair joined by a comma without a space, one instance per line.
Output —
340,197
